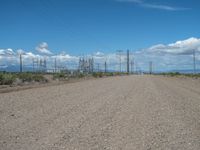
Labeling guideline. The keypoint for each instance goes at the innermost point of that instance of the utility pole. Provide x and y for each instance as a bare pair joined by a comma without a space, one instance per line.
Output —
38,64
40,70
194,61
33,65
45,65
20,57
150,67
55,65
132,66
119,52
98,67
128,53
92,64
105,66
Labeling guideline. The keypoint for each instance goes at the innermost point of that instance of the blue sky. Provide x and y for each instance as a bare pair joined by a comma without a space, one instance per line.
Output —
80,27
84,26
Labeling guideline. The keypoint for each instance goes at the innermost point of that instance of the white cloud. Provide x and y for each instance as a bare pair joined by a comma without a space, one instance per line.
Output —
30,55
165,57
99,54
163,7
173,56
7,52
65,57
132,1
185,47
20,51
154,6
43,48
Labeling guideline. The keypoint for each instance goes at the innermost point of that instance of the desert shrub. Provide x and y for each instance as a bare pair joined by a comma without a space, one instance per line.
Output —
25,77
1,77
109,74
39,78
94,74
29,77
175,74
7,79
172,74
81,75
10,78
118,73
97,74
100,75
59,76
193,75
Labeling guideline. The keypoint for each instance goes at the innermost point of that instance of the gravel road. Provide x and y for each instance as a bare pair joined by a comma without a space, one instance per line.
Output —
116,113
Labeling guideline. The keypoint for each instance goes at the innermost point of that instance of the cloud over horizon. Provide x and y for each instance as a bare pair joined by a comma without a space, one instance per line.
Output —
43,48
166,56
6,52
184,47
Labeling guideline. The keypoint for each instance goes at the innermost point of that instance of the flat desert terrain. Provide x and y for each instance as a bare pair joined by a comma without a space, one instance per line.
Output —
116,113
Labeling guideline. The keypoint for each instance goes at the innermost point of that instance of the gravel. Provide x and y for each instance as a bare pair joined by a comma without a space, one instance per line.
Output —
116,113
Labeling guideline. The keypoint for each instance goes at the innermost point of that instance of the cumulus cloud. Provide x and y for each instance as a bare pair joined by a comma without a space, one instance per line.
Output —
184,47
65,57
43,48
7,52
99,54
21,52
165,57
173,56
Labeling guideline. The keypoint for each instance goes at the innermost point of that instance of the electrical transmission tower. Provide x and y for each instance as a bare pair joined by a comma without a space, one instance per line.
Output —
35,64
39,65
150,67
128,58
119,53
86,65
105,67
20,57
55,65
132,66
91,65
98,67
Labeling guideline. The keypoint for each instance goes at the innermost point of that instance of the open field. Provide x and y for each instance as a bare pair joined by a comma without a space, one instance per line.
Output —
20,81
116,113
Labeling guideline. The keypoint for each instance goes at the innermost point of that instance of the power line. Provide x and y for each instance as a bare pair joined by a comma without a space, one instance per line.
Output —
194,61
105,67
55,65
20,57
119,53
132,66
150,67
128,58
98,67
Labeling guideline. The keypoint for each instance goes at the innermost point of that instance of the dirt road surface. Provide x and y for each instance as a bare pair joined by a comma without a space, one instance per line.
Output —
117,113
